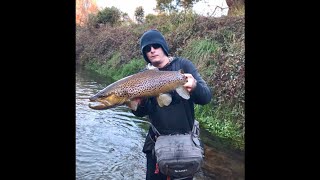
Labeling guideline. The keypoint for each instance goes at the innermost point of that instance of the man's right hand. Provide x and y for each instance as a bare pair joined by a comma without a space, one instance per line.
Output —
134,103
139,100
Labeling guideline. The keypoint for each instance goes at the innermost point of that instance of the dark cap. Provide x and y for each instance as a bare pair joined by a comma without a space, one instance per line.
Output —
153,37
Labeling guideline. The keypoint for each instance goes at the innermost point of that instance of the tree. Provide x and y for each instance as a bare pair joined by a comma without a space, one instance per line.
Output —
174,5
139,14
187,4
109,15
150,18
83,9
166,6
126,18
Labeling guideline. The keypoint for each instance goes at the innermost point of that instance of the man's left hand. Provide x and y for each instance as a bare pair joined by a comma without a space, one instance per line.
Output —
192,82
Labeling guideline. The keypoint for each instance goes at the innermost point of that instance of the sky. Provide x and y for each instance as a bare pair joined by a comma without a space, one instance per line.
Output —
129,6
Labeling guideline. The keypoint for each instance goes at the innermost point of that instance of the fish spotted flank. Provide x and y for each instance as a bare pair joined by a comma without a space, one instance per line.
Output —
148,83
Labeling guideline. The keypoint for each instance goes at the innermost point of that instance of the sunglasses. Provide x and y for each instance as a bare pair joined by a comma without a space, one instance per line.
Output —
148,47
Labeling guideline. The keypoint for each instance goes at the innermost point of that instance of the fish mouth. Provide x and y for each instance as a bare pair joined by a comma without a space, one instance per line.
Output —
98,106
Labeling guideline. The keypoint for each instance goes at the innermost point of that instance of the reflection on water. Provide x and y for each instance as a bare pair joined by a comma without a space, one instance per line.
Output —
109,142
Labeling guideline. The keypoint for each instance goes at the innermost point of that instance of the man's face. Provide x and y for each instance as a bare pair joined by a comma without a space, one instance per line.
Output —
155,54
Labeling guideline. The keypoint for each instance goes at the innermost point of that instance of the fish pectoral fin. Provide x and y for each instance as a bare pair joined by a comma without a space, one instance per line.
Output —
164,99
183,92
132,104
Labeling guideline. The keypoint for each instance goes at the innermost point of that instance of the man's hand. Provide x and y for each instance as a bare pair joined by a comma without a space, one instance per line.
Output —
134,103
138,100
191,84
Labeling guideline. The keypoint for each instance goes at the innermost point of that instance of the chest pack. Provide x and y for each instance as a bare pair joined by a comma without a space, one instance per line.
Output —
179,155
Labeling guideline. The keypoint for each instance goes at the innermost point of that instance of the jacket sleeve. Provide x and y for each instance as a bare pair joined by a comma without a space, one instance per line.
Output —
202,93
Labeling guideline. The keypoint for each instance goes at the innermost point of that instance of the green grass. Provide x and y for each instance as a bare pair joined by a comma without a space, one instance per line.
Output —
110,68
200,50
134,66
222,122
201,53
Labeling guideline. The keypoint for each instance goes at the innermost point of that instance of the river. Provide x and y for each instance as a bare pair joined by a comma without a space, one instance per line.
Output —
109,142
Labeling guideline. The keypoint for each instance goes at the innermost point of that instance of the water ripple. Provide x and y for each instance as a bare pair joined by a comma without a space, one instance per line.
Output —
106,140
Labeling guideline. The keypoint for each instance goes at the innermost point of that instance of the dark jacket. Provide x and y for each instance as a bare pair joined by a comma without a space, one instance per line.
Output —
178,117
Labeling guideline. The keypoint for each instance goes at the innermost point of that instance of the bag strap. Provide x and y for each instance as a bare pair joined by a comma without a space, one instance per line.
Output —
196,128
154,129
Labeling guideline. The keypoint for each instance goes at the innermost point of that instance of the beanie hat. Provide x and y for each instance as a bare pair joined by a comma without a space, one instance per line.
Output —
153,37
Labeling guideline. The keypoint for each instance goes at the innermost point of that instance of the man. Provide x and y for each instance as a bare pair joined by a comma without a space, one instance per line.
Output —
178,117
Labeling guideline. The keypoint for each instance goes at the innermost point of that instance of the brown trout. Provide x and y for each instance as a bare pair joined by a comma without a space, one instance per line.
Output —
148,83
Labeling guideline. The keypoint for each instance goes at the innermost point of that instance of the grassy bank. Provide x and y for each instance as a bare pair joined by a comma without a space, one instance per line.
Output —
214,45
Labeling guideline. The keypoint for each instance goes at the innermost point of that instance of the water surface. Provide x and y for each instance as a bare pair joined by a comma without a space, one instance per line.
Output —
109,142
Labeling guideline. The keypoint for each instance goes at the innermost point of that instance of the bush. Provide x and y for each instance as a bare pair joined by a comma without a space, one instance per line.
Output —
109,15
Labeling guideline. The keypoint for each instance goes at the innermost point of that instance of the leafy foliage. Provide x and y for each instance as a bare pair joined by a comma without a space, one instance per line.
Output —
222,121
150,18
109,15
139,14
187,4
166,6
236,7
171,6
83,9
111,68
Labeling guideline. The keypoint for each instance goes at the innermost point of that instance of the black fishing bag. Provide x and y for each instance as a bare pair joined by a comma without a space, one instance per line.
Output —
179,155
